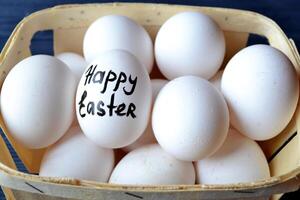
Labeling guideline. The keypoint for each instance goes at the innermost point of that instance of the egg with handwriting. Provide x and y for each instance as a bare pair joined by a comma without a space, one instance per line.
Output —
151,165
190,118
189,43
113,99
75,62
75,156
148,137
239,160
261,87
37,100
118,32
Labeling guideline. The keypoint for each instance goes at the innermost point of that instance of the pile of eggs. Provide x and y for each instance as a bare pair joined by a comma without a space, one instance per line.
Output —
199,125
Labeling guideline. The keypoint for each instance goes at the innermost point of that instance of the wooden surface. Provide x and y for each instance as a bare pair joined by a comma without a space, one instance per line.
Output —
286,14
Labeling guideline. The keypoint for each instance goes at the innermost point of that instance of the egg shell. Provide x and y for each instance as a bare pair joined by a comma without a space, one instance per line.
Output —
189,43
38,100
75,62
75,156
113,99
118,32
148,136
77,65
151,165
190,118
261,88
239,160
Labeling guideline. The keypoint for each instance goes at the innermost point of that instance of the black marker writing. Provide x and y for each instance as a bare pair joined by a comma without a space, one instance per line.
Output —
104,78
133,82
111,77
89,74
115,81
100,110
81,105
99,76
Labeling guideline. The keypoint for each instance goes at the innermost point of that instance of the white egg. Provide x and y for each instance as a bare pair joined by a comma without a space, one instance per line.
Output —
261,87
148,137
190,118
75,62
113,99
74,156
38,100
118,32
216,80
189,43
239,160
151,165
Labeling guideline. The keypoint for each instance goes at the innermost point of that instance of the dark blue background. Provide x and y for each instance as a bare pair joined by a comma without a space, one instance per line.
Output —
285,13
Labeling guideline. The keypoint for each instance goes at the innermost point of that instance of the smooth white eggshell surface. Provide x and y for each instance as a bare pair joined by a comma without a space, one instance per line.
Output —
189,43
148,136
37,100
151,165
261,88
239,160
74,156
75,62
190,118
118,32
113,99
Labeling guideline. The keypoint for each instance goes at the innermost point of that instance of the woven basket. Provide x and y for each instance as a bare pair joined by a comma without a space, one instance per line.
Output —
69,23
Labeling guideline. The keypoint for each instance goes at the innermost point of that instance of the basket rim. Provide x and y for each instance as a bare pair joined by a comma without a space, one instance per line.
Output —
294,174
272,181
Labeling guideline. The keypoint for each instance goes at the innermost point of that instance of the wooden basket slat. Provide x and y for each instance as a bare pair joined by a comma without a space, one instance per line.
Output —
6,159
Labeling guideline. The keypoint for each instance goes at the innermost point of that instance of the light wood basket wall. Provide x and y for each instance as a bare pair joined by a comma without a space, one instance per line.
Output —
69,23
